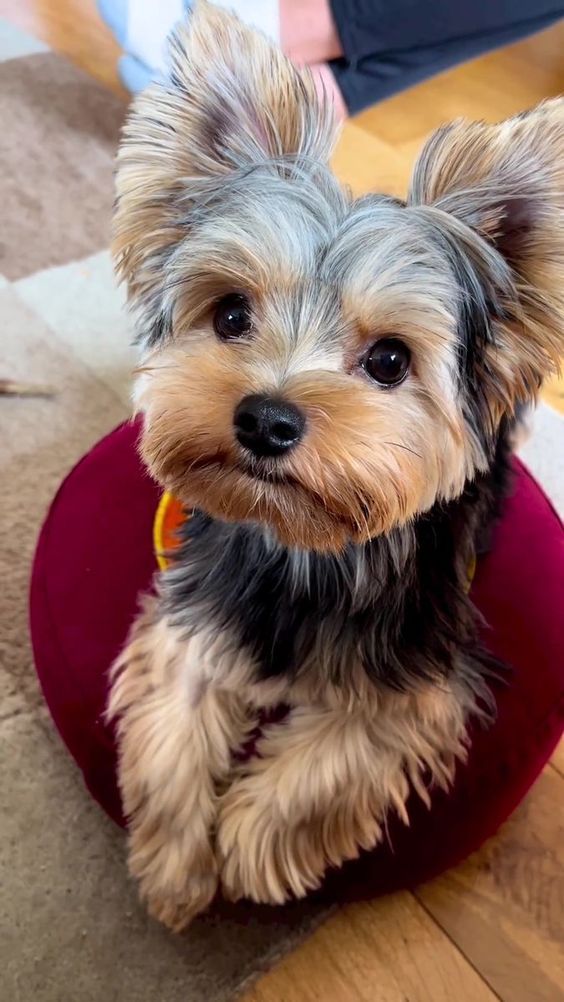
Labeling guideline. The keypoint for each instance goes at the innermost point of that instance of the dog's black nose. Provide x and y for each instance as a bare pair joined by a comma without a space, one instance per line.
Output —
266,426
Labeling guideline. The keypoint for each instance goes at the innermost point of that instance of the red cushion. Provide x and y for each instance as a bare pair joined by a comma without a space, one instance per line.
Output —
95,556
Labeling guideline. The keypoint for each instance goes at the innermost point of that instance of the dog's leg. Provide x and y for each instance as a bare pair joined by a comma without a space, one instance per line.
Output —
175,735
322,785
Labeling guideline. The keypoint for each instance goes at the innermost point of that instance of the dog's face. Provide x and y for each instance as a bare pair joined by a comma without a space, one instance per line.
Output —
326,366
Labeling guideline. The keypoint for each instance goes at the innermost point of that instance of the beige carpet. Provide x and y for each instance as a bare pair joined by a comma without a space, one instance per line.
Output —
70,925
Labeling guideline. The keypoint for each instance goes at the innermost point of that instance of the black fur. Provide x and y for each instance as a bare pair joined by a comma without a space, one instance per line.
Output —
398,604
408,617
487,296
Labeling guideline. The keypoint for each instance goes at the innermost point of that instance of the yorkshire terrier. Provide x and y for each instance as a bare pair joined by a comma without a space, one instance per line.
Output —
329,385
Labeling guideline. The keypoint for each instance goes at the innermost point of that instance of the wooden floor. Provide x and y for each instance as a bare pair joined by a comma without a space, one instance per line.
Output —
494,927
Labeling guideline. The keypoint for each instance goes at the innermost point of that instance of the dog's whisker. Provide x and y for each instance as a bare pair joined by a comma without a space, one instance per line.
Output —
406,448
140,370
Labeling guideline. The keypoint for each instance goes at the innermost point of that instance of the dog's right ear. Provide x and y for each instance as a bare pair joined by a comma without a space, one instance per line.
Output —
232,100
505,182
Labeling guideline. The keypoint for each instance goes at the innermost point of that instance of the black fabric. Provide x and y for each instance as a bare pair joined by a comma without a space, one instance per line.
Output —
390,45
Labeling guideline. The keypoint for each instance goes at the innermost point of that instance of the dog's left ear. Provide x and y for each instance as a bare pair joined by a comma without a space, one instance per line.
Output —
506,182
236,99
231,102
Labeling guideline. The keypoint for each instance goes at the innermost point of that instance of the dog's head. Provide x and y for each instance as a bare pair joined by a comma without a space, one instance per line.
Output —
330,367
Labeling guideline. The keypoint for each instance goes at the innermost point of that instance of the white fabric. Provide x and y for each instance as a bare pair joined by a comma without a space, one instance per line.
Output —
151,21
543,453
261,14
149,24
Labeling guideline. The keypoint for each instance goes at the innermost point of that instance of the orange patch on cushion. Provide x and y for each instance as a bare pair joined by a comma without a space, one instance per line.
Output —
169,516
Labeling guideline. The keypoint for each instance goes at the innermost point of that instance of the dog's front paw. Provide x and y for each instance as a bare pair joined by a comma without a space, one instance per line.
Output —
177,881
262,855
177,911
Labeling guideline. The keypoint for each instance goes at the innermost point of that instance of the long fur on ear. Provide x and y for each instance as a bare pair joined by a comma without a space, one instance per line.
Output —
506,183
232,101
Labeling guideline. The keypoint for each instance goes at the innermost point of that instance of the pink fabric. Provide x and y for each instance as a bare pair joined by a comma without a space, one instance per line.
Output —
95,557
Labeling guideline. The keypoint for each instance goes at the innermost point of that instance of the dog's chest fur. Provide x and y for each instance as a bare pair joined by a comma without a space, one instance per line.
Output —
396,608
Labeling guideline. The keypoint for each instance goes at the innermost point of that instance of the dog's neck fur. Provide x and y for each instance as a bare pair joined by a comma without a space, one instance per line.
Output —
398,605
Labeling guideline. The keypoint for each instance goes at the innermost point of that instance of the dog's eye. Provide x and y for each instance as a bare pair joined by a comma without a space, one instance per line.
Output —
387,361
232,317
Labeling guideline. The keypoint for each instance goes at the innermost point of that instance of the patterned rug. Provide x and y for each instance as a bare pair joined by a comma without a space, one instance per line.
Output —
70,925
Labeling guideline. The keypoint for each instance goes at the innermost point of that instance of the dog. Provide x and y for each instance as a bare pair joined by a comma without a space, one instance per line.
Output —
330,386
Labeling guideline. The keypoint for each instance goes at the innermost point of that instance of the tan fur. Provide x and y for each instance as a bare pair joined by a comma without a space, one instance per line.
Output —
370,460
409,454
507,182
176,736
322,784
367,464
219,65
318,790
223,187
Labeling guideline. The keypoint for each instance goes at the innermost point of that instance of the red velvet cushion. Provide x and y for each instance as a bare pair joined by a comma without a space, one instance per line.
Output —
95,555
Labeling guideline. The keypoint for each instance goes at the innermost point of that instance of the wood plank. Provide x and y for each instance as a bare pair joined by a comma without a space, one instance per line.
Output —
491,87
543,76
557,760
504,907
553,394
388,950
543,49
73,28
366,163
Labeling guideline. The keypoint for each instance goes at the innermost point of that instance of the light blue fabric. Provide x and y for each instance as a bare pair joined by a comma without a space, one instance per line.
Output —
114,13
134,74
15,43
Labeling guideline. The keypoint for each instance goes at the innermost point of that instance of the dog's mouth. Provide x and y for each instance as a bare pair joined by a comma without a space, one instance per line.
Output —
267,474
264,472
254,469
